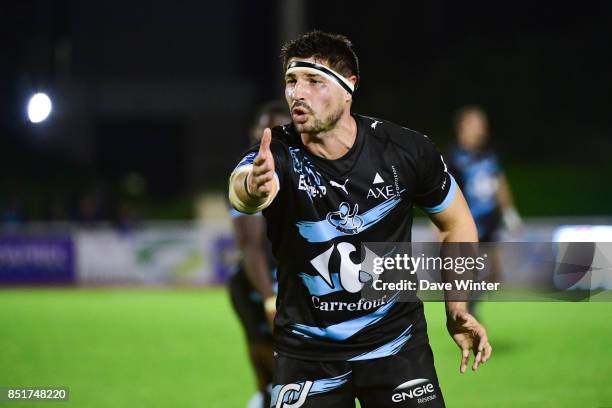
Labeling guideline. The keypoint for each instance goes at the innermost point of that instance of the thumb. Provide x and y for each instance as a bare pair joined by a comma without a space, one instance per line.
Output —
264,146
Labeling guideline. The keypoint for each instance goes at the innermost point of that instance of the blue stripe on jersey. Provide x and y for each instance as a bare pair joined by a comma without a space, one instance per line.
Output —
346,329
316,387
447,201
389,349
317,286
234,213
328,384
323,231
301,334
249,158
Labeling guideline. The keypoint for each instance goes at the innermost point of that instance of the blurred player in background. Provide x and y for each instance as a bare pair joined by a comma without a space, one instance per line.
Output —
252,288
482,180
480,176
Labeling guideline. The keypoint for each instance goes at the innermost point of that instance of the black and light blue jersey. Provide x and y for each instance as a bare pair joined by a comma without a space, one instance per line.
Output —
478,175
323,212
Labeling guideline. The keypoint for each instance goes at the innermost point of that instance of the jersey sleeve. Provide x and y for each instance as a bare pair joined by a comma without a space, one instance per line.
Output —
436,187
234,213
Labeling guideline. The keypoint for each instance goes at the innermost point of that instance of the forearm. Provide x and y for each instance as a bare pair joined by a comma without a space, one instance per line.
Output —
453,307
460,232
510,215
504,194
455,300
456,227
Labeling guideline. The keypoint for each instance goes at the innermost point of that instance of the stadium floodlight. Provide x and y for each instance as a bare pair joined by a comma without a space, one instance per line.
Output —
39,107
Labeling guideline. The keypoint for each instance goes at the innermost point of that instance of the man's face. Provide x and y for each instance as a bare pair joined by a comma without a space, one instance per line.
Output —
473,130
316,102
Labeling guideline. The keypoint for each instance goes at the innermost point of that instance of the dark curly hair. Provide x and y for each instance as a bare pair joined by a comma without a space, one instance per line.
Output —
334,49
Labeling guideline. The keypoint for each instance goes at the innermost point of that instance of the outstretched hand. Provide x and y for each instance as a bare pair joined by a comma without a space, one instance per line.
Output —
469,335
260,180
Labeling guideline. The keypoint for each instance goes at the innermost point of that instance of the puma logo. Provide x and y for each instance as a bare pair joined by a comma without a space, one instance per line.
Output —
342,186
376,122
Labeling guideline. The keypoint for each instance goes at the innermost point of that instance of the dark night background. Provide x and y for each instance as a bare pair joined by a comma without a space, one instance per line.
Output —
152,100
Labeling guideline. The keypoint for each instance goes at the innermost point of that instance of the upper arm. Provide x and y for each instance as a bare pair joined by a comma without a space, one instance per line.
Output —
456,220
435,186
504,194
439,195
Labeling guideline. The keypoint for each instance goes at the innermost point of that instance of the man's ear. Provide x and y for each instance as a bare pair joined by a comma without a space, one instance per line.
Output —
353,79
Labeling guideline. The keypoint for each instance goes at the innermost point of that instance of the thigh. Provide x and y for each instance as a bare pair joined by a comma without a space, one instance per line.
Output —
300,383
406,379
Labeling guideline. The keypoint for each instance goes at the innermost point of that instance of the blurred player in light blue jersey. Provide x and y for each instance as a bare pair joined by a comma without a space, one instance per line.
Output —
480,176
482,180
252,287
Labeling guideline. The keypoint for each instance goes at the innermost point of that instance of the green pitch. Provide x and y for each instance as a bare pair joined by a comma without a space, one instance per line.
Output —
184,348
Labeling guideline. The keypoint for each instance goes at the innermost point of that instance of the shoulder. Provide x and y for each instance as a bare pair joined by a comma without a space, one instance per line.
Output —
403,138
460,157
283,134
283,137
490,154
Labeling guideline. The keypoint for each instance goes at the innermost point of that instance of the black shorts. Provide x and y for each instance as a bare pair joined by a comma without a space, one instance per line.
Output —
406,379
249,307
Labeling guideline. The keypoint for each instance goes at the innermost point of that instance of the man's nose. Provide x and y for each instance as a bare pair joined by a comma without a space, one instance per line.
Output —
300,90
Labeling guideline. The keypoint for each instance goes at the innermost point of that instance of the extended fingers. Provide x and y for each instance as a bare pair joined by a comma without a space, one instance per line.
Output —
483,351
477,360
488,350
262,179
263,167
262,158
465,356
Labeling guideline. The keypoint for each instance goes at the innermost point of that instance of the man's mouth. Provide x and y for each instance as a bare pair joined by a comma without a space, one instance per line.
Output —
300,115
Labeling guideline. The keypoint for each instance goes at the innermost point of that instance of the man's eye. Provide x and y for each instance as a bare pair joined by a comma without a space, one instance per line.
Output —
314,81
290,81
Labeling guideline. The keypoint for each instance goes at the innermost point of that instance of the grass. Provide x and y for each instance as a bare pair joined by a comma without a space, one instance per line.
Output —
184,348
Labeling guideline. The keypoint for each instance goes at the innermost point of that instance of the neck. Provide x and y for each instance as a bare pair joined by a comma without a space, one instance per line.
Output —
334,143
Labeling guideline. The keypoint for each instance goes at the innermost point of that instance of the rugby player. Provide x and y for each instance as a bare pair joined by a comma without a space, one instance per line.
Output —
325,183
252,287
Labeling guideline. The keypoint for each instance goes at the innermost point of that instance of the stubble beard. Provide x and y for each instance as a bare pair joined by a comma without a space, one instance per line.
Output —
321,125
